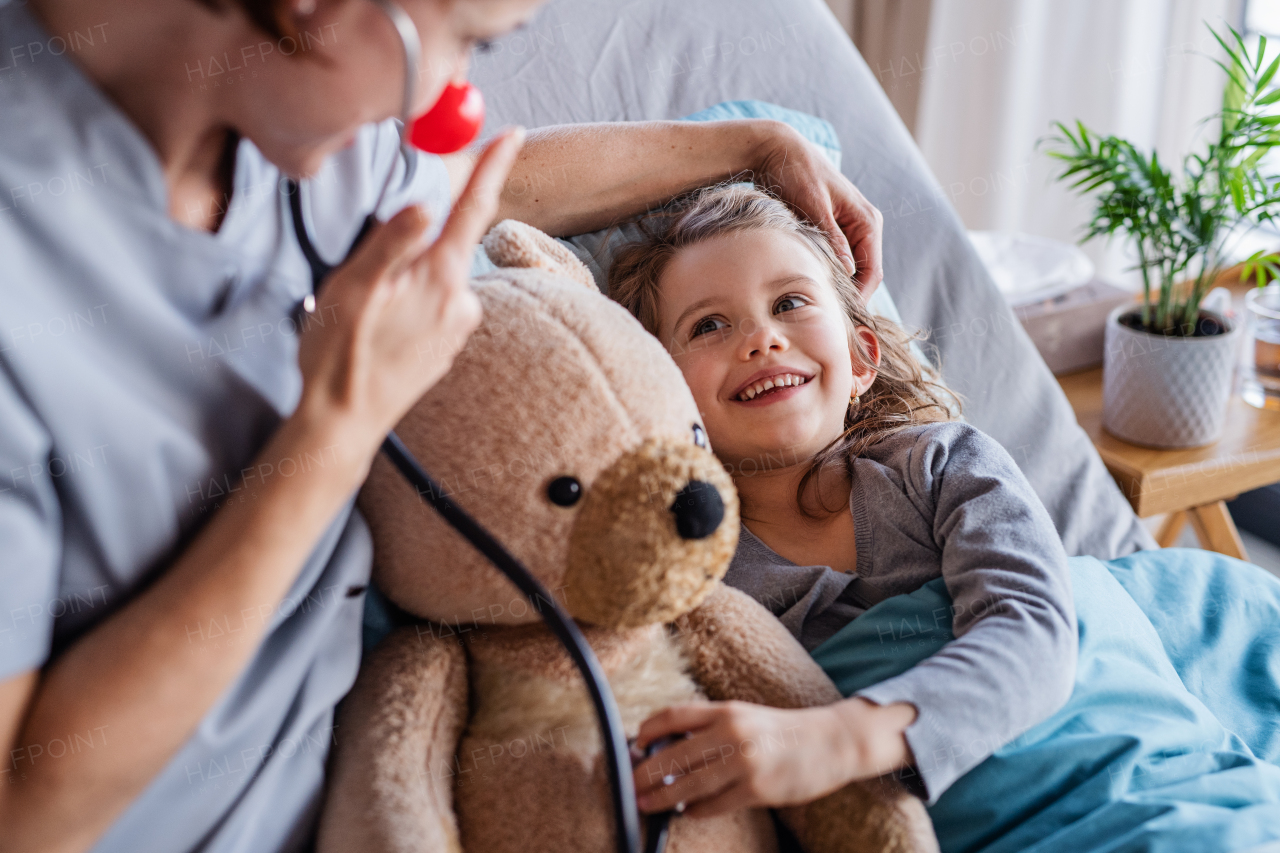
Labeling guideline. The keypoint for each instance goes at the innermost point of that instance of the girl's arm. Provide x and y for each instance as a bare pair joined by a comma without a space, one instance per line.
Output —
1011,665
1013,660
570,179
135,677
749,747
739,755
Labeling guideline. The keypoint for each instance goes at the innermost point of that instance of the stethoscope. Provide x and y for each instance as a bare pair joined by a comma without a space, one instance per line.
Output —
444,129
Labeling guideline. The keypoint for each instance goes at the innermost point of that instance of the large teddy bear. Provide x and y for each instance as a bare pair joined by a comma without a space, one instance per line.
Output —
567,431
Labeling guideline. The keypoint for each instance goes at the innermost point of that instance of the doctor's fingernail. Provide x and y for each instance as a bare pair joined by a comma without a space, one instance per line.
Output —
680,808
668,779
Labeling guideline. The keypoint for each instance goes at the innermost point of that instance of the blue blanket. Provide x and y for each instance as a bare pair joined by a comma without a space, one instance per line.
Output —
1170,739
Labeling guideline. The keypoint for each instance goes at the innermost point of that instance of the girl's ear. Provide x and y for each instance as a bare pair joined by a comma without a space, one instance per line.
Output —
865,356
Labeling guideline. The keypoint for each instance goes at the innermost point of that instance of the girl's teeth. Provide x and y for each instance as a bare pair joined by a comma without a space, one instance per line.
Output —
786,379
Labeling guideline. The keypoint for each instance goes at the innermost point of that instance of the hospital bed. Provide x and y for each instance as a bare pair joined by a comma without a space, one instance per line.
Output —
1169,740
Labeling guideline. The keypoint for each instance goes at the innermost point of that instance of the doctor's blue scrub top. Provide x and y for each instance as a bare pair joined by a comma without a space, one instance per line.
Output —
142,366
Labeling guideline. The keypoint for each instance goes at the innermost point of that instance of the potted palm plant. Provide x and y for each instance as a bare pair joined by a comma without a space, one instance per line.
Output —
1168,364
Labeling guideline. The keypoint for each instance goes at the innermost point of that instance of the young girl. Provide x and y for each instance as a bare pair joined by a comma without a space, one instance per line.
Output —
856,484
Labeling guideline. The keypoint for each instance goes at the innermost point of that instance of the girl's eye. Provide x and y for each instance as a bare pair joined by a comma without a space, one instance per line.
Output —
705,325
789,303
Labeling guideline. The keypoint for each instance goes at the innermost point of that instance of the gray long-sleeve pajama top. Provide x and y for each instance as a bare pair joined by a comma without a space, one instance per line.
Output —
944,500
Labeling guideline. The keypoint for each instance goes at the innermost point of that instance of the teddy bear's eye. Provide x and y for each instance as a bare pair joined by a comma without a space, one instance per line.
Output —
564,491
699,436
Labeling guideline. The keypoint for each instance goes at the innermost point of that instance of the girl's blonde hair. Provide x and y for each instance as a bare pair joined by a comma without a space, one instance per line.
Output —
905,391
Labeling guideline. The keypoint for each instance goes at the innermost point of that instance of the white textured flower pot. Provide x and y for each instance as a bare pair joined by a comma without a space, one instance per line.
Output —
1162,391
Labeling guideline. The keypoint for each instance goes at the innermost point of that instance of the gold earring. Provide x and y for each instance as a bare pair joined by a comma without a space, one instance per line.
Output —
853,400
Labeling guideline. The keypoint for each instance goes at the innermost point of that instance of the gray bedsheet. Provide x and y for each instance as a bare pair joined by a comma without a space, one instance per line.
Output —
591,60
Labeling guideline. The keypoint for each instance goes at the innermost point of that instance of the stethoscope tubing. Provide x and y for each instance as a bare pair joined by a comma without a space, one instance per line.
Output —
566,630
613,734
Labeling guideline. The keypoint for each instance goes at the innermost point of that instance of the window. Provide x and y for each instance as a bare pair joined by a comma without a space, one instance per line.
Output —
1262,18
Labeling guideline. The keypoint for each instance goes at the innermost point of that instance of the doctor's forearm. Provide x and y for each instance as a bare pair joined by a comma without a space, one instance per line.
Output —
138,678
571,179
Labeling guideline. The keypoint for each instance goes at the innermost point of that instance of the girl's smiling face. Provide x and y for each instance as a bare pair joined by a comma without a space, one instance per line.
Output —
752,308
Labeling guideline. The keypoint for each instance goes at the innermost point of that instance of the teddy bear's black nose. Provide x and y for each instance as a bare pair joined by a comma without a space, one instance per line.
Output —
698,510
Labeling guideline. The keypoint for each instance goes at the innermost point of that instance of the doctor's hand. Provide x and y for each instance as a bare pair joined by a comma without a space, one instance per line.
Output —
799,174
390,321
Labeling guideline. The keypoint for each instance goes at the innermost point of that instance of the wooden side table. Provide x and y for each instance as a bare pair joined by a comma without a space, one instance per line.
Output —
1190,485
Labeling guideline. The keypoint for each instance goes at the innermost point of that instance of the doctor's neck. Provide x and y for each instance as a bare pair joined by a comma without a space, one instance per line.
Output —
138,63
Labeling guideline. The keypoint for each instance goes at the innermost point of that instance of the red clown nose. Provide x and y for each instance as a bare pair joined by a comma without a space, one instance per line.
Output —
452,123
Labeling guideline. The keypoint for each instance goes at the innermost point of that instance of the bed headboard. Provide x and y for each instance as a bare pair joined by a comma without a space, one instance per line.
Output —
597,60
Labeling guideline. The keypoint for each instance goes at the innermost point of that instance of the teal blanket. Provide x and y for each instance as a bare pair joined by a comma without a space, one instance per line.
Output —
1170,739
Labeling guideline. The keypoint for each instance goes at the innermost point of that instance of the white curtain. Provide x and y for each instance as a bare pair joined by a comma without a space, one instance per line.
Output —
890,35
996,73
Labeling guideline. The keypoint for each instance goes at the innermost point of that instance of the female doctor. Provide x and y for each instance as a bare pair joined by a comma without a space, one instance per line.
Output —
181,567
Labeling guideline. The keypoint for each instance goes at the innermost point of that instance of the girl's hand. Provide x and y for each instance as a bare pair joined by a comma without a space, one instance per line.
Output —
389,322
739,755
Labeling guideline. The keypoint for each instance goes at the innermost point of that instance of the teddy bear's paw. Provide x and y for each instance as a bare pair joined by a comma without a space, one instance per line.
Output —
874,815
517,244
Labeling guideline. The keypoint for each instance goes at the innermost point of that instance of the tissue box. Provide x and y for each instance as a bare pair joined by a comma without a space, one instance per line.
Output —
1068,328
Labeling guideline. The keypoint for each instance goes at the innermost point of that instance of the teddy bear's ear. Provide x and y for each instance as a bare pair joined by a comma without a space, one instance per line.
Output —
516,244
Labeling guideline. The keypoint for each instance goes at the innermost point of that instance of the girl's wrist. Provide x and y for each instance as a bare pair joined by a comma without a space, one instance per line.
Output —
875,735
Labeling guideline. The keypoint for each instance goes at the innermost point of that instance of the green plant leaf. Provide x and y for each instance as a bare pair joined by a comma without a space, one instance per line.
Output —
1234,55
1244,48
1268,74
1178,218
1263,265
1231,72
1234,96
